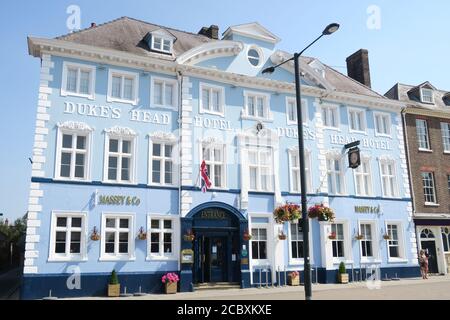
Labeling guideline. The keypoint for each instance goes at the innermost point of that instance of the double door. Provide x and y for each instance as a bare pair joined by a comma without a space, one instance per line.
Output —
212,261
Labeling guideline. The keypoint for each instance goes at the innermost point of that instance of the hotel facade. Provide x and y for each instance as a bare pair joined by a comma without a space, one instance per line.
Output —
127,113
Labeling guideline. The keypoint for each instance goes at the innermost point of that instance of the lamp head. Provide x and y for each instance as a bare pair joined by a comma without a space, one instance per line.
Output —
331,28
268,70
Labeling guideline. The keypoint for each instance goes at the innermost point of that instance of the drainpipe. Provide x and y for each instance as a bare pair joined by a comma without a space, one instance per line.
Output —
180,106
411,188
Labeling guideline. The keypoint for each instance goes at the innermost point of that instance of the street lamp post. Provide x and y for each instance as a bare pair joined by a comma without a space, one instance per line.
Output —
307,264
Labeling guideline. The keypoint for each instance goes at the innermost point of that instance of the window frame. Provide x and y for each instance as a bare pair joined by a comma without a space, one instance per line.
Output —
260,56
266,105
175,237
433,180
133,162
395,192
79,66
348,250
161,49
131,255
123,74
295,152
61,131
164,82
172,142
299,261
350,110
211,173
327,107
258,167
211,88
334,157
401,242
375,258
58,257
428,148
305,111
445,137
356,174
388,123
422,95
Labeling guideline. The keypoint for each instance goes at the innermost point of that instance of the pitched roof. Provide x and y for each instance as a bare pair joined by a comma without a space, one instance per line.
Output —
127,34
406,93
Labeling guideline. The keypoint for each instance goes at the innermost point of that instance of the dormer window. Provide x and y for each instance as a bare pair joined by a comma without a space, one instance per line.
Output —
426,95
161,44
160,40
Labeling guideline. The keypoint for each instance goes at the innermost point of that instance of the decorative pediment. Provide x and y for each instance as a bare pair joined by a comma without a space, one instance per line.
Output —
211,50
121,131
252,30
211,141
74,125
259,136
308,71
163,33
162,136
334,153
386,158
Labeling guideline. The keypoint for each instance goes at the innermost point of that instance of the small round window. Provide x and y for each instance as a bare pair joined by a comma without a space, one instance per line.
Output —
253,57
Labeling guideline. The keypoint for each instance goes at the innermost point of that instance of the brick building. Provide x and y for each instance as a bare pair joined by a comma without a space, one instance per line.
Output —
427,132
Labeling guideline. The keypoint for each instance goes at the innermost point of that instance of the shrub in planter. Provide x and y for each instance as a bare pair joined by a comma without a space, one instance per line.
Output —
114,285
343,275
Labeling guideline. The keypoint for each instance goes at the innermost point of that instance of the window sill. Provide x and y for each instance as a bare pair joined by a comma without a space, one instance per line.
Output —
425,150
447,152
161,258
358,132
262,191
78,95
67,259
132,102
382,135
397,260
294,123
120,182
427,204
246,117
338,261
219,114
71,180
112,259
370,261
332,129
165,107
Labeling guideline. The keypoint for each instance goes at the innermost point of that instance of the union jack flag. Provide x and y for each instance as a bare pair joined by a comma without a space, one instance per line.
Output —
206,183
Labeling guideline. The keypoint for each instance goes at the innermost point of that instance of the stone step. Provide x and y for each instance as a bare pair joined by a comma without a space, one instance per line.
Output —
216,286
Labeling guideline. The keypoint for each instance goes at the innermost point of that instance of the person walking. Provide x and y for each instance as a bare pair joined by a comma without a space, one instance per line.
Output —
423,261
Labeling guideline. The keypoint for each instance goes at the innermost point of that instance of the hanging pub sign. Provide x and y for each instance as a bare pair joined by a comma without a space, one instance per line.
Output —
354,158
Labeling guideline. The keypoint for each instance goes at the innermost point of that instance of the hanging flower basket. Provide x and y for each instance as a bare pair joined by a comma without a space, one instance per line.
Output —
95,236
288,212
386,237
321,212
282,236
332,236
359,237
247,236
142,235
189,236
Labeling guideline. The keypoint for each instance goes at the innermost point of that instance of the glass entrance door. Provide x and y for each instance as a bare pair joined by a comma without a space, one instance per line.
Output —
218,259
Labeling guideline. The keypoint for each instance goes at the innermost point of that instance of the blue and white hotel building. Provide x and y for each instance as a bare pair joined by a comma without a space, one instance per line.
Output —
127,112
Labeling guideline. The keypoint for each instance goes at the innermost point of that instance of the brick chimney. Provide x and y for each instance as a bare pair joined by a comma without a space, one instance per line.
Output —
211,32
358,67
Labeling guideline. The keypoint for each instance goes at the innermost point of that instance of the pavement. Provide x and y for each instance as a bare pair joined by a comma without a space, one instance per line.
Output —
10,284
435,288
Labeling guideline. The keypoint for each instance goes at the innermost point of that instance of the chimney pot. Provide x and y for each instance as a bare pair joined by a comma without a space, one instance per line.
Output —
93,25
211,32
358,67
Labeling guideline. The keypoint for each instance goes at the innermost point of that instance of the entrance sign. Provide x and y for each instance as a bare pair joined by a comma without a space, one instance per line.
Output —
213,214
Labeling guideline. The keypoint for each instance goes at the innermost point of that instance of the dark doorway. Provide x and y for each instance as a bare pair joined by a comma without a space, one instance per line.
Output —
214,264
430,250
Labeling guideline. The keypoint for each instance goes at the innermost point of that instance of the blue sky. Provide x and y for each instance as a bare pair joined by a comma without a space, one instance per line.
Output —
408,44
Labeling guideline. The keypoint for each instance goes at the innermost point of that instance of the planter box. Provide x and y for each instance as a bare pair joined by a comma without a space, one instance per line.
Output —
293,281
343,278
113,290
171,288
